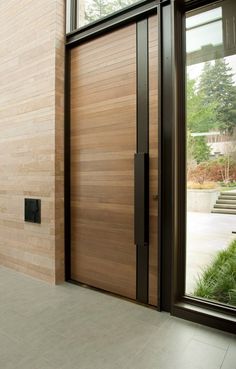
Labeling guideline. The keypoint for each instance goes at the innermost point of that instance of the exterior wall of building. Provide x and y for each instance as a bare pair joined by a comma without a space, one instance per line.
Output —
31,140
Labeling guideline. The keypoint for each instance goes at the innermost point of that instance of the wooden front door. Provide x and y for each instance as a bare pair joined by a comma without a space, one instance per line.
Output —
103,139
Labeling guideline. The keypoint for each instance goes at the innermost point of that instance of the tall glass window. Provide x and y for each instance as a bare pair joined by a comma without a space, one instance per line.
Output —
211,153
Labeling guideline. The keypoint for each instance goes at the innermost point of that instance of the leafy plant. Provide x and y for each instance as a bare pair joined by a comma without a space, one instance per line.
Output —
230,185
225,163
218,281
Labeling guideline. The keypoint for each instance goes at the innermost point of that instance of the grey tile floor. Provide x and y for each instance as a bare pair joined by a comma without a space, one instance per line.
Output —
71,327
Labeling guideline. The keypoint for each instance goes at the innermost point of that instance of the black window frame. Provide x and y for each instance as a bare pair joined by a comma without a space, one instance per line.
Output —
72,17
174,213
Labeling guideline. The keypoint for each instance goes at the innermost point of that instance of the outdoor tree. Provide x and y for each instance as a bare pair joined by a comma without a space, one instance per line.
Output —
218,89
200,149
96,9
199,119
211,105
228,160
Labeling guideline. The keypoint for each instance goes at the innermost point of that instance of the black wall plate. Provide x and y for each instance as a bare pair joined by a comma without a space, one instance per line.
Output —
33,210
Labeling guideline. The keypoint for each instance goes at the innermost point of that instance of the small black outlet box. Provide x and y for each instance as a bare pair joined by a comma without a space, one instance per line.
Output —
33,210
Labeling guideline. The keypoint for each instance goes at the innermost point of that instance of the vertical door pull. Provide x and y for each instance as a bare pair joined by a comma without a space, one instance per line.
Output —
141,231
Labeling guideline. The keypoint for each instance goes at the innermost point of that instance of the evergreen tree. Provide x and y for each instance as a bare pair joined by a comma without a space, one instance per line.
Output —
199,120
201,117
217,87
200,149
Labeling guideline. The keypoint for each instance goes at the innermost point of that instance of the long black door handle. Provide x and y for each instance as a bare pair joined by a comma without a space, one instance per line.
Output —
141,200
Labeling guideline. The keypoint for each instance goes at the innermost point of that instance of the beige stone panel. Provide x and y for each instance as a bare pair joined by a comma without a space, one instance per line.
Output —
31,140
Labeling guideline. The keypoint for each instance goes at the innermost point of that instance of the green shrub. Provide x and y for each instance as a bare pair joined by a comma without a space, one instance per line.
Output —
217,170
218,281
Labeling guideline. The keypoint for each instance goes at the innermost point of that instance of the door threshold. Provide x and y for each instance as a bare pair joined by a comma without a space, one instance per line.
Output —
116,295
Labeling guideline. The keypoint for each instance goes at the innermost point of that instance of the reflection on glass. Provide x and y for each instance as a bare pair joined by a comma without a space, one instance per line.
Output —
211,160
206,17
203,36
92,10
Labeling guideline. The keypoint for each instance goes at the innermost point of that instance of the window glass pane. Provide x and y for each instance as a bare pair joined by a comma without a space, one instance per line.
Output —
208,16
204,36
211,154
68,10
92,10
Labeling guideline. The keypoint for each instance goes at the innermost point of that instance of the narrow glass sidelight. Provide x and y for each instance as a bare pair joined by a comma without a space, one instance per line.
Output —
211,153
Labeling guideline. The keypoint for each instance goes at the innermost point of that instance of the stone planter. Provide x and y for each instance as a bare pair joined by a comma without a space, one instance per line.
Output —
201,201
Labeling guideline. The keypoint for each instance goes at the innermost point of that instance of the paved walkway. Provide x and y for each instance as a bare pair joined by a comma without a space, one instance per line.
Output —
206,234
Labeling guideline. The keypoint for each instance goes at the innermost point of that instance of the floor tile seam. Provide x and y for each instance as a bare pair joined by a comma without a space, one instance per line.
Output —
210,344
226,352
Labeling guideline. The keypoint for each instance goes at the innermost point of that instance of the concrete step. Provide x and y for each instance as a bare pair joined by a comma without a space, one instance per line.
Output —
224,206
226,197
228,193
224,201
224,211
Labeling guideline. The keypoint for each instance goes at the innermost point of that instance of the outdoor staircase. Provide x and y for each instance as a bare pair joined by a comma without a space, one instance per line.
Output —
226,203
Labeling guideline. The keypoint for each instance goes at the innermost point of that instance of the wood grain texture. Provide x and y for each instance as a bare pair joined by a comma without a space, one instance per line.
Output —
31,141
103,142
153,154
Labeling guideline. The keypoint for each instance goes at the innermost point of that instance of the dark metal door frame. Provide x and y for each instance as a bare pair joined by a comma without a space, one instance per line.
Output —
171,155
139,14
